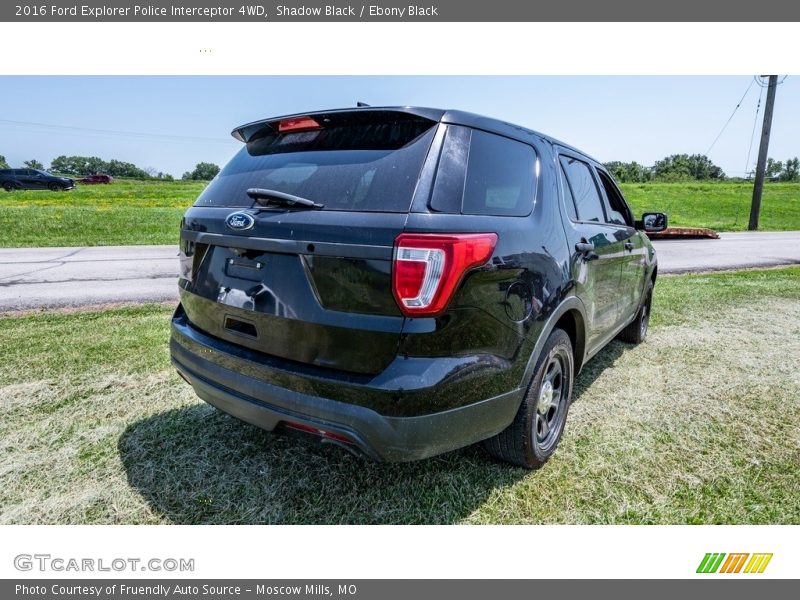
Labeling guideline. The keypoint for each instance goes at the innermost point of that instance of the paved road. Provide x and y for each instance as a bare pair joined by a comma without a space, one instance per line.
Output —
32,278
59,277
731,251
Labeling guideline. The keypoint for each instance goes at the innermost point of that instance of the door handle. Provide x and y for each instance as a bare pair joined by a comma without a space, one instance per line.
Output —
628,245
586,249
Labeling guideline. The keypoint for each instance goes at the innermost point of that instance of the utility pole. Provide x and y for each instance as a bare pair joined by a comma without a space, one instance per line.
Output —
761,166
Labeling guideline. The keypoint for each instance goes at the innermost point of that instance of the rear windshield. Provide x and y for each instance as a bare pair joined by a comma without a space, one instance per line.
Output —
361,164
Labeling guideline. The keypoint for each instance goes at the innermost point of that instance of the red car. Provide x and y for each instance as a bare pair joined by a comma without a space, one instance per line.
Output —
97,178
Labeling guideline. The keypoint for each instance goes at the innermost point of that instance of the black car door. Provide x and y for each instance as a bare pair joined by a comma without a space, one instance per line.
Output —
23,178
634,267
597,252
30,179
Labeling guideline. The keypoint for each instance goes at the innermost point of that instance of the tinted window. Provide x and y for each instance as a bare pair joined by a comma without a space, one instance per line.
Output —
367,163
619,210
569,200
588,203
500,174
484,174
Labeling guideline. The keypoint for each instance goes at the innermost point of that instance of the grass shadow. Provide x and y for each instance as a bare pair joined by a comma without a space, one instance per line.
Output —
196,465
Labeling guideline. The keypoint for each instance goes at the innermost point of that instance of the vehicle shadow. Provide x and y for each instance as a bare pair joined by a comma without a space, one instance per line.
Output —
196,465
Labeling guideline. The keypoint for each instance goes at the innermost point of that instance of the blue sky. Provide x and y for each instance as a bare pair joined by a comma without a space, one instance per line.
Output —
172,122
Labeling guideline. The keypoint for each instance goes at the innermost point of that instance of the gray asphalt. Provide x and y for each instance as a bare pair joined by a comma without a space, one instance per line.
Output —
43,278
731,251
32,278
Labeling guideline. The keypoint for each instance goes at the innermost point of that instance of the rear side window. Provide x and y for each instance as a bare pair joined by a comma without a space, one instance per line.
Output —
584,190
618,210
368,162
482,173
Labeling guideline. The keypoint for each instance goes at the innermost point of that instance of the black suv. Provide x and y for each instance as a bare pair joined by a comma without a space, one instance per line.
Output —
407,281
33,179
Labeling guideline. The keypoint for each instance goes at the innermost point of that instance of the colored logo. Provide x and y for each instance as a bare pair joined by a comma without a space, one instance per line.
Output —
719,562
240,221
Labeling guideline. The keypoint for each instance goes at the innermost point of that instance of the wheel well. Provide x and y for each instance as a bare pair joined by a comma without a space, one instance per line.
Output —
572,323
655,272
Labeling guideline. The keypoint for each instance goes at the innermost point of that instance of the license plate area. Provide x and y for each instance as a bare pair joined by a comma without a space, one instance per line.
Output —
241,267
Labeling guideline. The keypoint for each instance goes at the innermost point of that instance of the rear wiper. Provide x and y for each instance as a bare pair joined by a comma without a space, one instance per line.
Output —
276,197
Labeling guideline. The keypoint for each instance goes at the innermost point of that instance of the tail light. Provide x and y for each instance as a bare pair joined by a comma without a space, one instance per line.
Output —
428,268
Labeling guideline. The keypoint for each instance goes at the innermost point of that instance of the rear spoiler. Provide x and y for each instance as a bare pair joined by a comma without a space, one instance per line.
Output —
245,133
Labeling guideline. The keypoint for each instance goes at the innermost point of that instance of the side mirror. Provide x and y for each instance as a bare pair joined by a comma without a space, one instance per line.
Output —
652,222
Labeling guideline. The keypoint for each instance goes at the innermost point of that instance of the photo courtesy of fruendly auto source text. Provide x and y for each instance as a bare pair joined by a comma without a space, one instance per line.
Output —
285,274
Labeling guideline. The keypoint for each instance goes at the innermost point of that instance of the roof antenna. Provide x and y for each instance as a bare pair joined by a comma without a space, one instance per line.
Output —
361,104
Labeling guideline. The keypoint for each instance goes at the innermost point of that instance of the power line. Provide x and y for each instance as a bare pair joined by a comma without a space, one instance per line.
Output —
113,133
738,104
753,134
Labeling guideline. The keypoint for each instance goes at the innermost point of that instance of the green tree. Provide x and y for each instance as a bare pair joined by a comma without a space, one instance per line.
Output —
685,167
629,172
203,171
89,165
118,168
791,170
3,163
34,164
774,167
78,165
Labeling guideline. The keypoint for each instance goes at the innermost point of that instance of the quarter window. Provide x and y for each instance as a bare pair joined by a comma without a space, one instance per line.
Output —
482,173
500,175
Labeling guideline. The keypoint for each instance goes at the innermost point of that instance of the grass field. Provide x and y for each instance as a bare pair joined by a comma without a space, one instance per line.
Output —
125,212
142,212
700,424
719,206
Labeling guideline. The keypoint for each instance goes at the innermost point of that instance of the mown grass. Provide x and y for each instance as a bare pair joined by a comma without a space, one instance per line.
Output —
700,424
149,212
123,213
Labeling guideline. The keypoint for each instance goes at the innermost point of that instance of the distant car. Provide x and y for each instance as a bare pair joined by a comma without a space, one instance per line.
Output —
33,179
96,178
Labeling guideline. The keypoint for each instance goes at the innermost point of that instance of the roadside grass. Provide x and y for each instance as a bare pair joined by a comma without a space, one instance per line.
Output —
700,424
125,212
149,212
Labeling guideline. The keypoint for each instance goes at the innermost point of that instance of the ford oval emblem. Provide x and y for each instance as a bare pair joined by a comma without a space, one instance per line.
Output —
240,221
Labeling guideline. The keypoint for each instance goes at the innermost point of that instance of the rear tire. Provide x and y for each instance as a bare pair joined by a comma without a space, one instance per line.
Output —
636,332
533,436
8,186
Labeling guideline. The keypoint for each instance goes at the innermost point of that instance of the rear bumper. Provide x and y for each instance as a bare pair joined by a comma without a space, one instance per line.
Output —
238,383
